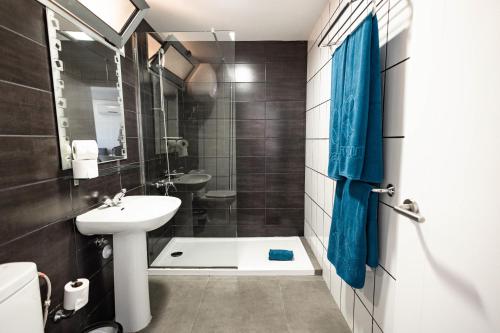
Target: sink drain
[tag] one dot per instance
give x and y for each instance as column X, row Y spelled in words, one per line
column 176, row 254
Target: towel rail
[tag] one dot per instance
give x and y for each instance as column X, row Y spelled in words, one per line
column 390, row 190
column 342, row 12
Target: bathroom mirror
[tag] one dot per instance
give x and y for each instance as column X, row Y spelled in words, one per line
column 87, row 85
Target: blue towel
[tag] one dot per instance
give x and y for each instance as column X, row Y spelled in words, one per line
column 281, row 255
column 356, row 152
column 353, row 239
column 356, row 107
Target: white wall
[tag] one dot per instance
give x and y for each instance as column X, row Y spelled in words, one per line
column 441, row 70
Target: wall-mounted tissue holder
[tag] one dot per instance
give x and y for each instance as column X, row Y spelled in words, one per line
column 76, row 296
column 84, row 163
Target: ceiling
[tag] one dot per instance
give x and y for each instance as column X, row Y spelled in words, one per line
column 250, row 19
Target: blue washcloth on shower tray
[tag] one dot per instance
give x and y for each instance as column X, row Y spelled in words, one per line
column 280, row 255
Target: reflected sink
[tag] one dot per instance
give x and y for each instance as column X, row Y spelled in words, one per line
column 129, row 222
column 192, row 182
column 135, row 213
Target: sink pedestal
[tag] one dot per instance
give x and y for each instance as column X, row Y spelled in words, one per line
column 131, row 280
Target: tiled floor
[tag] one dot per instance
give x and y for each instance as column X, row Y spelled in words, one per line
column 242, row 304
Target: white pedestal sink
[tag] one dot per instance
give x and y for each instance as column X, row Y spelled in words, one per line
column 128, row 223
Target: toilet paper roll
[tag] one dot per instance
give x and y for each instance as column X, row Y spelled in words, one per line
column 76, row 294
column 84, row 150
column 85, row 169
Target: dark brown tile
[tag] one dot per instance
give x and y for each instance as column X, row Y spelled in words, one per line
column 275, row 231
column 250, row 52
column 148, row 126
column 290, row 217
column 250, row 147
column 291, row 90
column 28, row 159
column 51, row 249
column 206, row 231
column 102, row 283
column 129, row 97
column 214, row 217
column 250, row 73
column 133, row 150
column 294, row 164
column 251, row 230
column 25, row 111
column 285, row 147
column 250, row 110
column 250, row 165
column 23, row 61
column 286, row 110
column 250, row 200
column 284, row 199
column 250, row 128
column 251, row 92
column 24, row 17
column 130, row 124
column 104, row 311
column 248, row 182
column 92, row 191
column 28, row 208
column 130, row 178
column 128, row 71
column 286, row 51
column 276, row 182
column 285, row 128
column 282, row 71
column 242, row 216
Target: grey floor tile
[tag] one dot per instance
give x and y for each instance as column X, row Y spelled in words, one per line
column 309, row 307
column 241, row 304
column 174, row 303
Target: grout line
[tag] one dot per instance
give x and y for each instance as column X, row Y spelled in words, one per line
column 199, row 305
column 283, row 306
column 23, row 36
column 25, row 86
column 396, row 64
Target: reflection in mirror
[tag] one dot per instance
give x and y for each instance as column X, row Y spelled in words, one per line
column 87, row 90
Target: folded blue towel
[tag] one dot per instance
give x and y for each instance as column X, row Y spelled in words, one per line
column 356, row 107
column 353, row 239
column 281, row 255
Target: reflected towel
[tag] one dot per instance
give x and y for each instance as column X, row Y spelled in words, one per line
column 353, row 239
column 281, row 255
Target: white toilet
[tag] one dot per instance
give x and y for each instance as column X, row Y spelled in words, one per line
column 20, row 303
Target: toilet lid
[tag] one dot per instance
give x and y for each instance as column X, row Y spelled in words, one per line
column 220, row 194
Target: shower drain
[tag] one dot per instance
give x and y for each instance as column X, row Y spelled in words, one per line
column 176, row 254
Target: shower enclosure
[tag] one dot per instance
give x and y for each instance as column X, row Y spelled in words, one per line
column 189, row 148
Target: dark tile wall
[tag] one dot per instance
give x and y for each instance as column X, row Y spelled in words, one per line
column 270, row 130
column 38, row 202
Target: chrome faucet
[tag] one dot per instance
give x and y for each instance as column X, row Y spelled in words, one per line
column 117, row 199
column 174, row 173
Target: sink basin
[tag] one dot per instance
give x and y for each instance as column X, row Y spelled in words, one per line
column 192, row 182
column 128, row 223
column 137, row 212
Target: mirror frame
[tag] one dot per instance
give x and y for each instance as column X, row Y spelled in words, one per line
column 87, row 17
column 60, row 102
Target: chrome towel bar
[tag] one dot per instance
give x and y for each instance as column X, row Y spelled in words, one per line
column 409, row 208
column 389, row 190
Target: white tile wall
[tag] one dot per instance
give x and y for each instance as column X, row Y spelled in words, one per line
column 364, row 321
column 368, row 309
